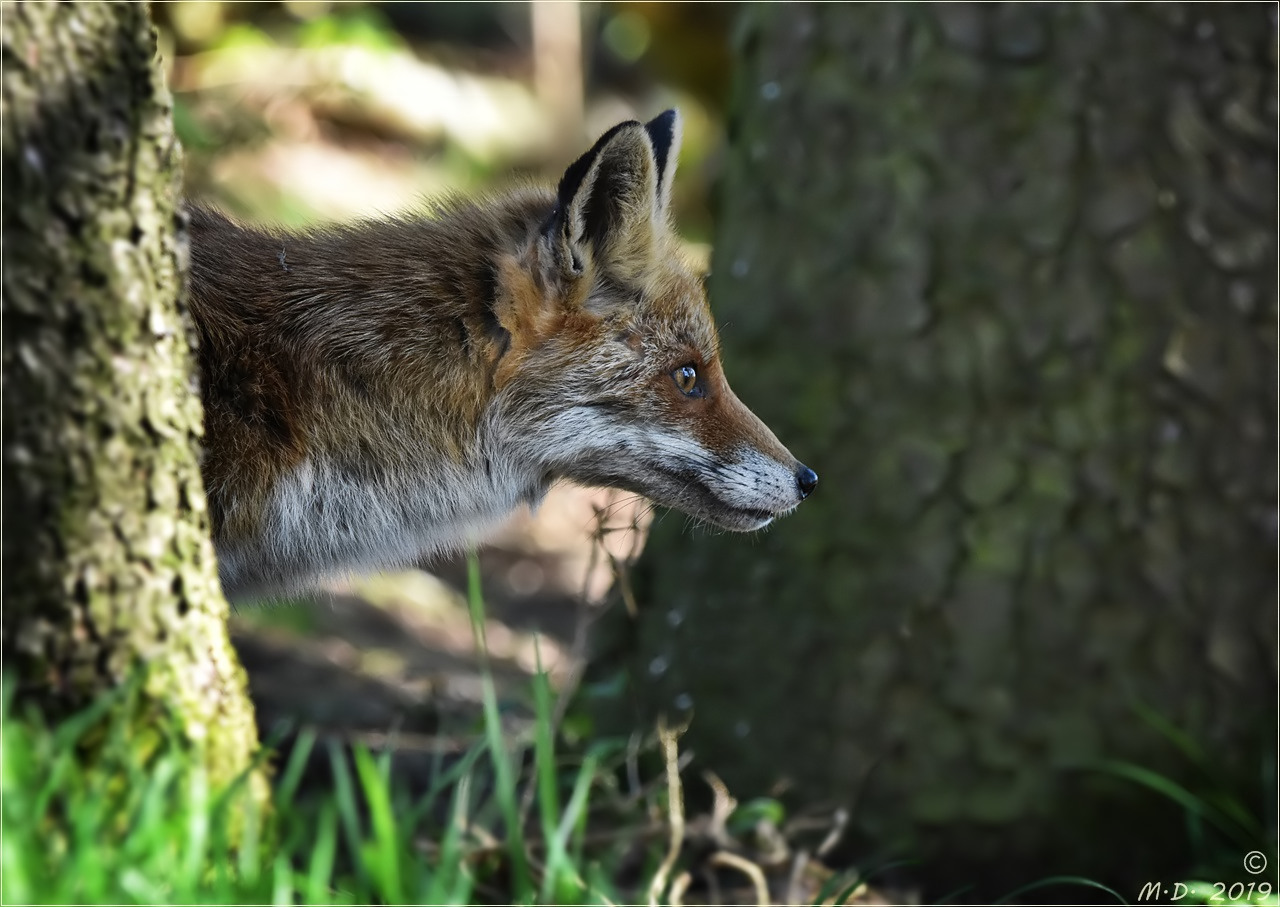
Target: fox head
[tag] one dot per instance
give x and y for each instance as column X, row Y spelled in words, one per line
column 612, row 365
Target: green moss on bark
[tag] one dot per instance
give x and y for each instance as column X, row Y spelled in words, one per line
column 108, row 566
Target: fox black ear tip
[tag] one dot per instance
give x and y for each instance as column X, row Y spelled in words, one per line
column 664, row 130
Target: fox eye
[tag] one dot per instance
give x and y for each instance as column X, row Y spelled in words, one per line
column 686, row 378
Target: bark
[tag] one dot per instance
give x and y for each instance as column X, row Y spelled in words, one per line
column 107, row 559
column 1005, row 276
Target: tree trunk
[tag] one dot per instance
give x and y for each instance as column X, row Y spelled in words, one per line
column 107, row 559
column 1005, row 276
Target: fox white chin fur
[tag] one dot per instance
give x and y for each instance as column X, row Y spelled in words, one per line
column 382, row 391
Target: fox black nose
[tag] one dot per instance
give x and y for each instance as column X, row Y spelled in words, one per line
column 806, row 481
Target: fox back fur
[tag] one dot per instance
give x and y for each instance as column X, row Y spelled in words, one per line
column 382, row 391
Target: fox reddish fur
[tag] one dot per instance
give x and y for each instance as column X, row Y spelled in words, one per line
column 378, row 392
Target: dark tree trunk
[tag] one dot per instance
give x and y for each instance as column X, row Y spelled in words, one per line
column 1005, row 275
column 107, row 560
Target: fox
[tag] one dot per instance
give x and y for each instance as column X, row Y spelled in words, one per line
column 388, row 390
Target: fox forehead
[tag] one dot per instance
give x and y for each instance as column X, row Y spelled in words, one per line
column 673, row 311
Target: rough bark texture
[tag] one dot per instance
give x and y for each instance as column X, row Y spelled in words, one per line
column 1005, row 276
column 107, row 560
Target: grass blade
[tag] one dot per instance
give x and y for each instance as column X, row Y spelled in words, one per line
column 504, row 780
column 558, row 863
column 292, row 776
column 1180, row 795
column 320, row 870
column 282, row 891
column 384, row 850
column 344, row 795
column 1063, row 880
column 544, row 763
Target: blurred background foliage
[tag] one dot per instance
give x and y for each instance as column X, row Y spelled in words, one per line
column 301, row 111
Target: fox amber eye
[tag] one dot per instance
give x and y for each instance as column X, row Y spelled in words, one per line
column 686, row 378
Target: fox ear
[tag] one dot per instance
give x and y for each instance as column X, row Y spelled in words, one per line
column 665, row 131
column 607, row 201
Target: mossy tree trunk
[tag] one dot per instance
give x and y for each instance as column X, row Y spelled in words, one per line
column 1005, row 276
column 107, row 559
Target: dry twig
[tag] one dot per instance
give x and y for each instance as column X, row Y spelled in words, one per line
column 722, row 808
column 745, row 866
column 678, row 888
column 839, row 819
column 675, row 811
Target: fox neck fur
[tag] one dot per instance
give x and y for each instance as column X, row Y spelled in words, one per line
column 378, row 392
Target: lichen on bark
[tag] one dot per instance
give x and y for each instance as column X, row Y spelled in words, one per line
column 108, row 567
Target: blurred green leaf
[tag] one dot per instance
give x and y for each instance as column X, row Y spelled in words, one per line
column 189, row 130
column 241, row 36
column 350, row 28
column 750, row 814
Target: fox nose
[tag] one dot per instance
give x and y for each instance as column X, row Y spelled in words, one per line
column 806, row 481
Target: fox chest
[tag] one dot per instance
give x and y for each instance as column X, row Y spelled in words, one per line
column 326, row 519
column 345, row 514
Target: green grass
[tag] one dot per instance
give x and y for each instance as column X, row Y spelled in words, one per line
column 125, row 828
column 128, row 830
column 1224, row 816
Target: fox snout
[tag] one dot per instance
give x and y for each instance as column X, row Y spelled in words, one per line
column 745, row 493
column 761, row 480
column 754, row 491
column 758, row 483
